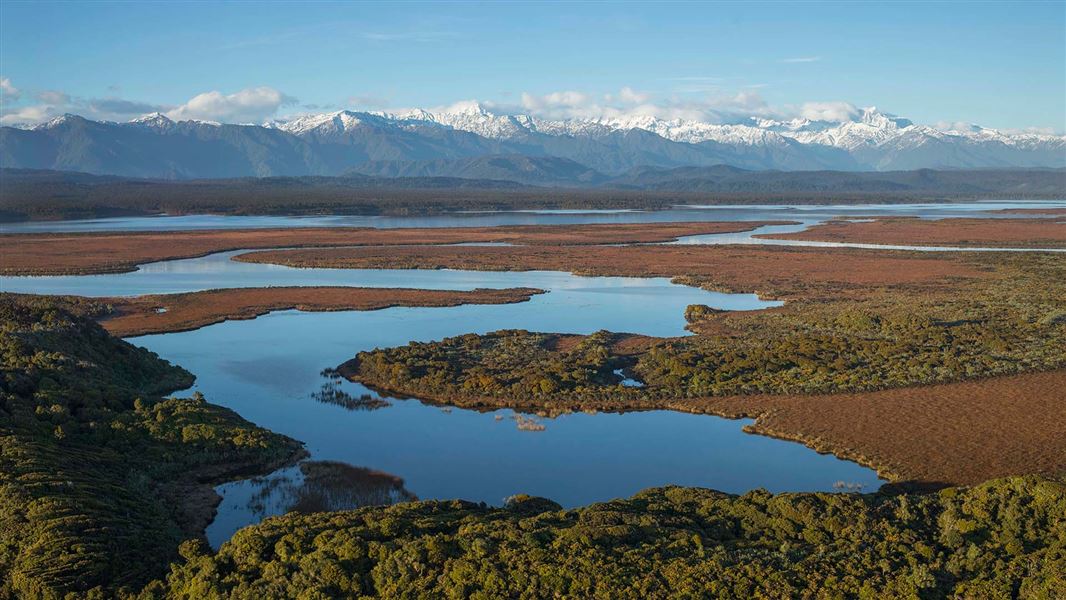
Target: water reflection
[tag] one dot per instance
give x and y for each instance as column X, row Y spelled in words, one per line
column 333, row 392
column 311, row 486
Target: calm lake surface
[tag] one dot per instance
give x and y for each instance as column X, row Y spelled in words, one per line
column 269, row 371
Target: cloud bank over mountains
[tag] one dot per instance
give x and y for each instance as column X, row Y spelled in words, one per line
column 263, row 104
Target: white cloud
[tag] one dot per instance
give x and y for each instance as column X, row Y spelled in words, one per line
column 829, row 111
column 53, row 97
column 565, row 100
column 629, row 96
column 9, row 92
column 27, row 114
column 714, row 108
column 51, row 104
column 252, row 105
column 801, row 59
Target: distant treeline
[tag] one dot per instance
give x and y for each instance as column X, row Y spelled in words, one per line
column 45, row 195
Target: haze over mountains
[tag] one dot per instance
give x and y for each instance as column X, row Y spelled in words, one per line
column 471, row 142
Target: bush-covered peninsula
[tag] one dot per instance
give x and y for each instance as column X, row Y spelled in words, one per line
column 101, row 478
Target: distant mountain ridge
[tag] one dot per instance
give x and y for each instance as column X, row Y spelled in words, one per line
column 472, row 142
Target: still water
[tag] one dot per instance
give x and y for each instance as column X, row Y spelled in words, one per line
column 269, row 370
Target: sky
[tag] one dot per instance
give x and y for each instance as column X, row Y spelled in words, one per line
column 1000, row 65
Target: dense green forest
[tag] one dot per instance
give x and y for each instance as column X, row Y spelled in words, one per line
column 886, row 338
column 42, row 195
column 99, row 474
column 1002, row 539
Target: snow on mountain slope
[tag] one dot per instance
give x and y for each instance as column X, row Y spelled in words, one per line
column 872, row 131
column 336, row 141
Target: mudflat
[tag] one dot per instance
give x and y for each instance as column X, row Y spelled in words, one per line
column 165, row 313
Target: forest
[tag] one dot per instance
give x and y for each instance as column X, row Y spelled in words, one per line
column 1002, row 539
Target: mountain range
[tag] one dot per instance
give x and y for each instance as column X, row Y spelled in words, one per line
column 471, row 142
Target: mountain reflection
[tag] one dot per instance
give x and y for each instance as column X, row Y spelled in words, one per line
column 318, row 486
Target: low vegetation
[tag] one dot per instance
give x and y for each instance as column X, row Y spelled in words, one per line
column 1043, row 232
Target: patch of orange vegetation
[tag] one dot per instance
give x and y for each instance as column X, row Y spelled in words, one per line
column 782, row 272
column 909, row 231
column 115, row 252
column 956, row 433
column 165, row 313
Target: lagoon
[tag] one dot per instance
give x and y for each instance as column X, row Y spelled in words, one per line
column 269, row 370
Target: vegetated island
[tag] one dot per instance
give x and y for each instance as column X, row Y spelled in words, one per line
column 118, row 252
column 911, row 231
column 166, row 313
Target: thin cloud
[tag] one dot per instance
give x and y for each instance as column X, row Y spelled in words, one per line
column 8, row 91
column 408, row 36
column 696, row 78
column 802, row 59
column 53, row 97
column 121, row 107
column 367, row 101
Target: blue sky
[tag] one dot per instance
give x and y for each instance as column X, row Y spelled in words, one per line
column 999, row 65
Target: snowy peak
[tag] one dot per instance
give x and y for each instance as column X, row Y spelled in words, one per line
column 59, row 121
column 155, row 121
column 877, row 119
column 335, row 122
column 868, row 138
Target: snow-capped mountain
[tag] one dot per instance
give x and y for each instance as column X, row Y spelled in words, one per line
column 875, row 139
column 339, row 142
